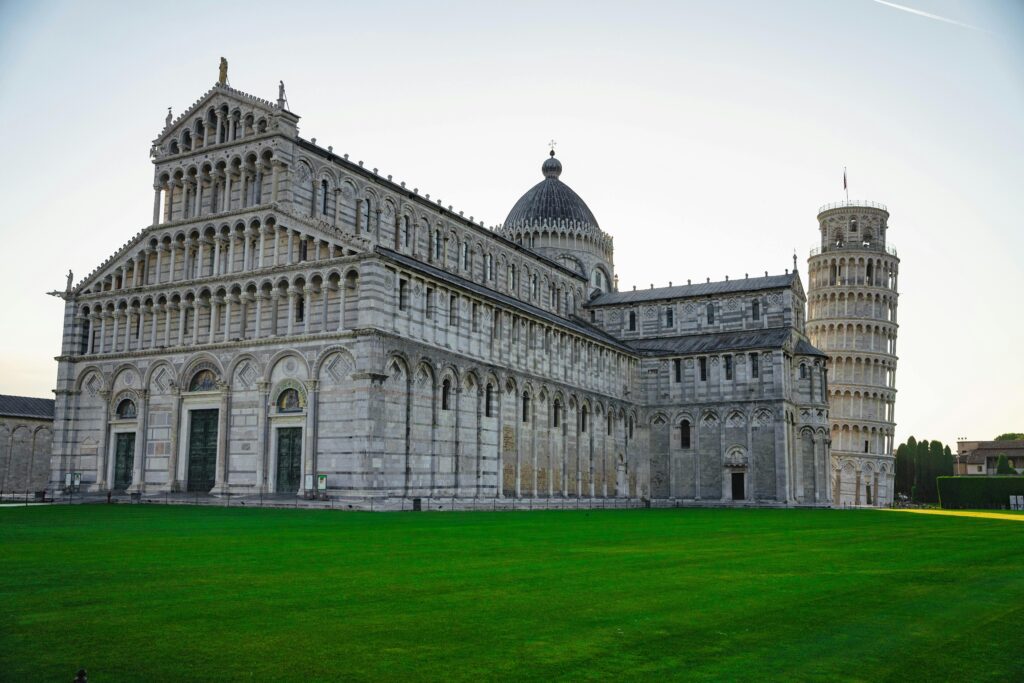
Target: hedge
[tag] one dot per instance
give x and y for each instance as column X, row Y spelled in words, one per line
column 978, row 492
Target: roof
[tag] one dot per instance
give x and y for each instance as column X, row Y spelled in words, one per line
column 550, row 201
column 751, row 284
column 772, row 338
column 574, row 324
column 806, row 348
column 26, row 406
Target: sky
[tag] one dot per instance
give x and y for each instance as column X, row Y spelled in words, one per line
column 704, row 136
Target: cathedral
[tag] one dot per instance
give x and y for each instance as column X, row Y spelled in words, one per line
column 293, row 323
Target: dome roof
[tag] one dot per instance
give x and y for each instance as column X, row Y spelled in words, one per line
column 550, row 201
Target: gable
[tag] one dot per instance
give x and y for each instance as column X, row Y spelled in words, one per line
column 221, row 112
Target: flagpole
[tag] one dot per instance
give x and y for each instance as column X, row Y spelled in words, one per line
column 845, row 187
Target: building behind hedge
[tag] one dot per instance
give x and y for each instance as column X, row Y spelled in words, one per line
column 291, row 317
column 981, row 457
column 26, row 432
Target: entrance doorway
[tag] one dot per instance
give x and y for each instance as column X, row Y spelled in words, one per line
column 124, row 459
column 202, row 450
column 867, row 494
column 289, row 459
column 738, row 492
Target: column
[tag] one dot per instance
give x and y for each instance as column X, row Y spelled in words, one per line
column 113, row 337
column 139, row 463
column 168, row 307
column 325, row 292
column 231, row 252
column 198, row 272
column 173, row 484
column 159, row 254
column 227, row 189
column 277, row 242
column 103, row 332
column 291, row 311
column 182, row 315
column 156, row 204
column 214, row 317
column 245, row 250
column 196, row 305
column 307, row 309
column 227, row 317
column 170, row 271
column 259, row 255
column 261, row 435
column 259, row 315
column 93, row 321
column 309, row 452
column 220, row 484
column 104, row 454
column 155, row 310
column 216, row 256
column 274, row 166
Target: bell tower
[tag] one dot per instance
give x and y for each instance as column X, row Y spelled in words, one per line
column 851, row 316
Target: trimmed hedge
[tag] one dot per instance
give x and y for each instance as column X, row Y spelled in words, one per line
column 958, row 493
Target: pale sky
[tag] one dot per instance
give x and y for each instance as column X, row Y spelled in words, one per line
column 704, row 136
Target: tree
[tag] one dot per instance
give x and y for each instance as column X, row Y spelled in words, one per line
column 1003, row 465
column 1010, row 436
column 905, row 468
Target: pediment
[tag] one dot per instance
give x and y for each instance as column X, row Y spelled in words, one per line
column 253, row 114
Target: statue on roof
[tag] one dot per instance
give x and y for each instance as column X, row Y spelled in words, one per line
column 167, row 121
column 71, row 278
column 282, row 99
column 223, row 78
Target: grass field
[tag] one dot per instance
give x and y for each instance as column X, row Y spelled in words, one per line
column 176, row 593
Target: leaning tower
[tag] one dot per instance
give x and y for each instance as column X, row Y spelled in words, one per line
column 851, row 316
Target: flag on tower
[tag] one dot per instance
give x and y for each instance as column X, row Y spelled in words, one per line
column 844, row 177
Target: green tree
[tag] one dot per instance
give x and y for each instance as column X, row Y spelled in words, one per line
column 1003, row 465
column 904, row 469
column 1010, row 436
column 923, row 473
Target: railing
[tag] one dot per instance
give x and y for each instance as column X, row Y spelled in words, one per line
column 855, row 246
column 853, row 204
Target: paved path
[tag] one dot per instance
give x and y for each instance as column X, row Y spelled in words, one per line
column 964, row 513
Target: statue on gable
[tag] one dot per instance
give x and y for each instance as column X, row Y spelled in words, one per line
column 167, row 121
column 223, row 78
column 71, row 278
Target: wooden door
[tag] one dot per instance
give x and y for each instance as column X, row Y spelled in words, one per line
column 289, row 459
column 202, row 450
column 124, row 459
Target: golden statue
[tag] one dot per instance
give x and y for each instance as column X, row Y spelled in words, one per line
column 223, row 79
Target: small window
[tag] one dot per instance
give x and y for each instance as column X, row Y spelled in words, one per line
column 526, row 407
column 803, row 371
column 453, row 310
column 430, row 303
column 631, row 426
column 289, row 401
column 755, row 369
column 556, row 415
column 632, row 321
column 534, row 287
column 446, row 394
column 437, row 245
column 703, row 369
column 609, row 424
column 403, row 294
column 756, row 310
column 684, row 434
column 677, row 369
column 865, row 446
column 300, row 309
column 853, row 225
column 126, row 410
column 303, row 249
column 669, row 317
column 711, row 314
column 489, row 401
column 406, row 231
column 728, row 366
column 465, row 256
column 204, row 380
column 584, row 415
column 366, row 215
column 476, row 316
column 323, row 197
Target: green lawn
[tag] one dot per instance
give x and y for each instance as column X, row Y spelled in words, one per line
column 154, row 593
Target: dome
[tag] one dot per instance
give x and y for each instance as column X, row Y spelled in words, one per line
column 550, row 201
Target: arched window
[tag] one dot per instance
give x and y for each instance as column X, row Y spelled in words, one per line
column 300, row 309
column 204, row 380
column 669, row 317
column 437, row 245
column 632, row 321
column 756, row 310
column 534, row 287
column 803, row 371
column 871, row 273
column 289, row 401
column 526, row 407
column 556, row 414
column 631, row 426
column 584, row 414
column 366, row 214
column 446, row 394
column 832, row 274
column 489, row 401
column 710, row 309
column 853, row 225
column 323, row 197
column 406, row 231
column 511, row 279
column 684, row 434
column 126, row 410
column 464, row 252
column 609, row 424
